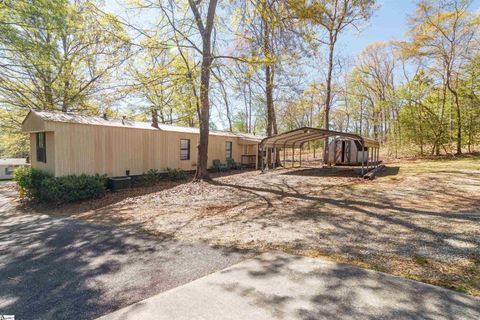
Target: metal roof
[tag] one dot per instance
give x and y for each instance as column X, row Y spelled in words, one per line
column 297, row 137
column 99, row 121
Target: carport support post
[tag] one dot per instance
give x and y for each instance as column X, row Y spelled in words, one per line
column 378, row 156
column 256, row 159
column 363, row 155
column 368, row 158
column 293, row 154
column 274, row 156
column 301, row 155
column 374, row 152
column 262, row 160
column 373, row 157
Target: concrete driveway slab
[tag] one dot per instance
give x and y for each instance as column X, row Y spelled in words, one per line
column 282, row 286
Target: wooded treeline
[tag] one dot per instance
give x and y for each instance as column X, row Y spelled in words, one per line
column 256, row 66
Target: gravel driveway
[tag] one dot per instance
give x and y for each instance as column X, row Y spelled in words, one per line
column 60, row 268
column 420, row 220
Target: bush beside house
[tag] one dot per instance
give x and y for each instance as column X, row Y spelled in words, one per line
column 153, row 176
column 40, row 185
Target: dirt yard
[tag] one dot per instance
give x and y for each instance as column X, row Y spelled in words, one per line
column 420, row 219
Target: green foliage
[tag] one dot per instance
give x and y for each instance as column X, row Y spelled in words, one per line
column 13, row 142
column 30, row 180
column 151, row 177
column 176, row 174
column 56, row 53
column 421, row 260
column 42, row 186
column 217, row 165
column 72, row 188
column 168, row 83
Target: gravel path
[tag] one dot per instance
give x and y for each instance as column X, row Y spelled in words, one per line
column 330, row 214
column 419, row 224
column 420, row 219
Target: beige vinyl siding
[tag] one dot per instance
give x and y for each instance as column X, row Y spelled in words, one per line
column 33, row 124
column 76, row 148
column 49, row 166
column 94, row 149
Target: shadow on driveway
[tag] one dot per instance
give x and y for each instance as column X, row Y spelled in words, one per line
column 281, row 286
column 54, row 268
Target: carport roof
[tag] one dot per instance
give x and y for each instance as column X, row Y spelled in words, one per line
column 297, row 137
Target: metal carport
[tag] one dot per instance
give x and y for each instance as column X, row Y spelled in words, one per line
column 298, row 137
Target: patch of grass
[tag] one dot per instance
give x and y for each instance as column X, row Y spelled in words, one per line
column 462, row 288
column 421, row 260
column 466, row 162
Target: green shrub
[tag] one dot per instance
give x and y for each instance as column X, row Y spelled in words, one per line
column 176, row 174
column 151, row 177
column 30, row 180
column 42, row 186
column 72, row 188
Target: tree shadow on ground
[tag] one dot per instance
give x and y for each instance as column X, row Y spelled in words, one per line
column 361, row 225
column 338, row 171
column 350, row 172
column 112, row 198
column 313, row 289
column 65, row 269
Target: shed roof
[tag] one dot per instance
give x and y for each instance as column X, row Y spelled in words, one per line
column 13, row 162
column 100, row 121
column 297, row 137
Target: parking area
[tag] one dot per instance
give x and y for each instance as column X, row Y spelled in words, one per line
column 62, row 268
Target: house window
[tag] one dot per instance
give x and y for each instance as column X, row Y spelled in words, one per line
column 41, row 147
column 184, row 149
column 228, row 149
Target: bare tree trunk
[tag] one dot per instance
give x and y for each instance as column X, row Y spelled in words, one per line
column 328, row 98
column 249, row 107
column 459, row 117
column 204, row 112
column 225, row 100
column 269, row 77
column 204, row 119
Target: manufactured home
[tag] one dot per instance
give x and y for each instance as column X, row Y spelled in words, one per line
column 66, row 144
column 7, row 166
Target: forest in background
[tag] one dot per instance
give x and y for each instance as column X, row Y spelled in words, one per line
column 256, row 66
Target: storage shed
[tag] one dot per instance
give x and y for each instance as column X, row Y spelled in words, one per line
column 66, row 143
column 343, row 151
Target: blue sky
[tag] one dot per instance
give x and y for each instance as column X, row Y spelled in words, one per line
column 390, row 22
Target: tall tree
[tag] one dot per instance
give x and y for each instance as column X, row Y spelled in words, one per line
column 57, row 54
column 205, row 29
column 333, row 17
column 377, row 66
column 442, row 31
